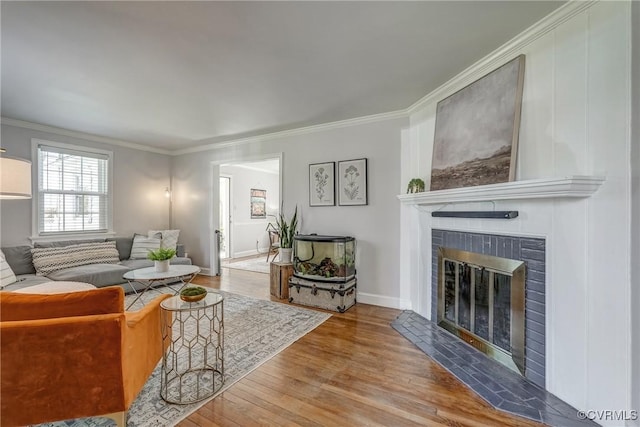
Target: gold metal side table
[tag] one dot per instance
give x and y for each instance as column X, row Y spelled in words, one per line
column 193, row 364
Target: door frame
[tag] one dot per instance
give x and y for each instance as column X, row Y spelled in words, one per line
column 230, row 221
column 214, row 195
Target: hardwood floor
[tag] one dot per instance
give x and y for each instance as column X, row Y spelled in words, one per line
column 353, row 370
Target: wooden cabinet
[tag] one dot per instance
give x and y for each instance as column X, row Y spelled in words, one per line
column 280, row 273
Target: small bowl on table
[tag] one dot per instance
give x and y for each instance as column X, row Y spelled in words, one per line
column 193, row 294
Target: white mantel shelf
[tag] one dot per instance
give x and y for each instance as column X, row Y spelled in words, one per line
column 577, row 186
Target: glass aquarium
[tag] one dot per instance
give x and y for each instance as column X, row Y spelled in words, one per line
column 325, row 258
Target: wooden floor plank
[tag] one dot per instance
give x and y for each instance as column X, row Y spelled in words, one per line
column 354, row 369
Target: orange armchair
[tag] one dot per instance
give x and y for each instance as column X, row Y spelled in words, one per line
column 74, row 355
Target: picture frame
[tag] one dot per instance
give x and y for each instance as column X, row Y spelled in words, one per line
column 322, row 184
column 258, row 203
column 476, row 130
column 352, row 182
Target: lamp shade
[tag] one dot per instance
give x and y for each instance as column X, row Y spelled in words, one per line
column 15, row 178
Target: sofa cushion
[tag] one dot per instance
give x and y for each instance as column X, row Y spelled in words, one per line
column 19, row 258
column 48, row 260
column 7, row 276
column 26, row 280
column 123, row 245
column 169, row 238
column 143, row 263
column 142, row 245
column 96, row 274
column 16, row 306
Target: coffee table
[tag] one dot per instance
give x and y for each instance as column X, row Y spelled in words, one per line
column 148, row 276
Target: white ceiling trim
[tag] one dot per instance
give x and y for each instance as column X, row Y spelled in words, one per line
column 81, row 135
column 504, row 53
column 294, row 132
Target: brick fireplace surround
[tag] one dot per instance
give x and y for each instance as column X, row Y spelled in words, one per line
column 498, row 385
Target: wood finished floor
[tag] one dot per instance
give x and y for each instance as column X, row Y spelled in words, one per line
column 353, row 370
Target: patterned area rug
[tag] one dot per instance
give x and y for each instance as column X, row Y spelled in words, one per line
column 255, row 331
column 259, row 265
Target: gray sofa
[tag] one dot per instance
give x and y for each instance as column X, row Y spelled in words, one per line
column 20, row 260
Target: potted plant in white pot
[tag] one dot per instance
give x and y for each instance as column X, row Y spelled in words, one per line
column 161, row 258
column 286, row 229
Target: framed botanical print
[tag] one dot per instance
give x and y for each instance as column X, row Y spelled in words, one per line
column 352, row 182
column 322, row 184
column 258, row 203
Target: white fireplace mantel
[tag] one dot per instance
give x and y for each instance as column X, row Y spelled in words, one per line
column 577, row 186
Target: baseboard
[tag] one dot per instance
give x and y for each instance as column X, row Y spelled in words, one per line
column 383, row 300
column 205, row 271
column 246, row 253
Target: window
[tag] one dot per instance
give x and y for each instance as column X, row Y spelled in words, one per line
column 73, row 189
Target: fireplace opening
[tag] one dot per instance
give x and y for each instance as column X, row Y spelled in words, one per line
column 481, row 299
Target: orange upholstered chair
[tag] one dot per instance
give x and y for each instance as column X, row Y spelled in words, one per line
column 74, row 355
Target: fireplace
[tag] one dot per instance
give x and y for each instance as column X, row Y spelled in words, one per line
column 515, row 263
column 481, row 299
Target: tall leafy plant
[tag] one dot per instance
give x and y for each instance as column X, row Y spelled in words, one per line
column 287, row 229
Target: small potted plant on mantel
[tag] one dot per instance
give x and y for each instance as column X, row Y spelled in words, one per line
column 160, row 258
column 286, row 230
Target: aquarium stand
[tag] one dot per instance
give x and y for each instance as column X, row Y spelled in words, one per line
column 324, row 273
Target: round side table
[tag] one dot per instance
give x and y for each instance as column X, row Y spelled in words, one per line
column 193, row 363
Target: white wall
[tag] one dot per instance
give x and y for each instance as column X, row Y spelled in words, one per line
column 635, row 208
column 139, row 181
column 575, row 121
column 375, row 226
column 246, row 231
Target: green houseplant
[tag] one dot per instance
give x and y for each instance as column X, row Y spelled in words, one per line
column 161, row 258
column 286, row 229
column 416, row 185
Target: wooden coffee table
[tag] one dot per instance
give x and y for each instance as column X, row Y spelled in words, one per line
column 149, row 276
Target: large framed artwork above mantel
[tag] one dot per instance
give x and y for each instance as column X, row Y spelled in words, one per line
column 476, row 132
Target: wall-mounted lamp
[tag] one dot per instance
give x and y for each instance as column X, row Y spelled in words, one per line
column 15, row 178
column 167, row 193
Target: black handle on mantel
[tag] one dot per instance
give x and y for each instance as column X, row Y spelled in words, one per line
column 475, row 214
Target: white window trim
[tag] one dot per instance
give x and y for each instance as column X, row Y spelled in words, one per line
column 35, row 200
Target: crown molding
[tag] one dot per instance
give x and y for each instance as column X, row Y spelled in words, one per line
column 504, row 53
column 81, row 135
column 294, row 132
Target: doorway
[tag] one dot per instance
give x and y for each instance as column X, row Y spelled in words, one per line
column 247, row 193
column 225, row 217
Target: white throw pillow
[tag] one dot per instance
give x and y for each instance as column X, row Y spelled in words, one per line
column 169, row 238
column 142, row 245
column 7, row 276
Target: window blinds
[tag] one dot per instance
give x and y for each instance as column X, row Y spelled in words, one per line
column 73, row 190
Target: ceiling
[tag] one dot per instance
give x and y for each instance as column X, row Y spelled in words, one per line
column 175, row 75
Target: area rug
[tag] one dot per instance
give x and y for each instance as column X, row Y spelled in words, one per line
column 255, row 331
column 259, row 265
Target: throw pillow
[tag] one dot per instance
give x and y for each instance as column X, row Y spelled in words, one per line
column 169, row 238
column 48, row 260
column 142, row 245
column 7, row 276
